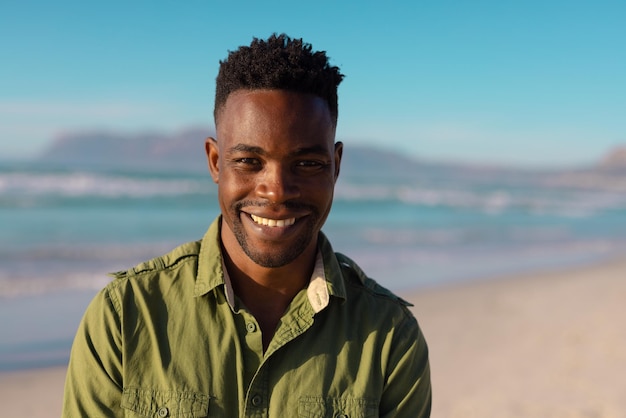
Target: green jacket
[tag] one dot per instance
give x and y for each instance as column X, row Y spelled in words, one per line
column 169, row 339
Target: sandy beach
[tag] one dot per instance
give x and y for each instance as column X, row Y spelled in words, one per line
column 549, row 345
column 543, row 345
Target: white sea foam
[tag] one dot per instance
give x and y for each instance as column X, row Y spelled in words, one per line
column 39, row 285
column 28, row 186
column 84, row 184
column 570, row 203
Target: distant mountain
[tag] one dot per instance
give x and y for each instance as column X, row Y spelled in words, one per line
column 184, row 152
column 615, row 159
column 608, row 174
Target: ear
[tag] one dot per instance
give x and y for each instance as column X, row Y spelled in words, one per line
column 338, row 155
column 212, row 155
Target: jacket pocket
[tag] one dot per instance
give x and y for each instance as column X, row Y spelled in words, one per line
column 322, row 407
column 162, row 404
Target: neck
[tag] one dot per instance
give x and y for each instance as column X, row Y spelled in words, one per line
column 268, row 285
column 267, row 292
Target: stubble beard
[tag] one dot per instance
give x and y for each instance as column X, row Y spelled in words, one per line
column 274, row 259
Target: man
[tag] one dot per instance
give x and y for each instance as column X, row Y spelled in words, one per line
column 260, row 317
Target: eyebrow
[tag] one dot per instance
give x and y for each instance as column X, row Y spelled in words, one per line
column 246, row 148
column 316, row 149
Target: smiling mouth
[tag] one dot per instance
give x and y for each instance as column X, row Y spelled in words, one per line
column 273, row 222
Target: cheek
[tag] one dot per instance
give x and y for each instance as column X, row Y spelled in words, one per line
column 322, row 195
column 233, row 187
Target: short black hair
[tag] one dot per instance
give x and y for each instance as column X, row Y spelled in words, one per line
column 280, row 63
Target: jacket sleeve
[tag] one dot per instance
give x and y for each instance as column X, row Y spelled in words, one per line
column 407, row 391
column 93, row 386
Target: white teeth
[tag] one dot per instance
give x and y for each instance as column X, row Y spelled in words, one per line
column 273, row 222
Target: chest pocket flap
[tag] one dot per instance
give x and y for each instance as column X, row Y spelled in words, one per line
column 320, row 407
column 162, row 404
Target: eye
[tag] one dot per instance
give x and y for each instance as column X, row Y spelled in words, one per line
column 248, row 161
column 308, row 163
column 310, row 166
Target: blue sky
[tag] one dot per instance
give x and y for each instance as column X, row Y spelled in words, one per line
column 539, row 83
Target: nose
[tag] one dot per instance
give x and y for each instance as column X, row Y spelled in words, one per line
column 277, row 184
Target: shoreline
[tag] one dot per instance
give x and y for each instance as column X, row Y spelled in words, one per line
column 544, row 344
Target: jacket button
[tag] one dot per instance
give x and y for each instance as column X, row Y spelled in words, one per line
column 163, row 412
column 250, row 327
column 256, row 400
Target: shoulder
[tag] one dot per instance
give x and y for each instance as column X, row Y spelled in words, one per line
column 371, row 306
column 357, row 277
column 158, row 272
column 182, row 254
column 360, row 284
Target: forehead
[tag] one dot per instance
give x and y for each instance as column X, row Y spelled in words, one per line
column 272, row 108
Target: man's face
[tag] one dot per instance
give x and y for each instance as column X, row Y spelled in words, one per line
column 275, row 163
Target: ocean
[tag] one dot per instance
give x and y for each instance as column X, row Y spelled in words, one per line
column 62, row 230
